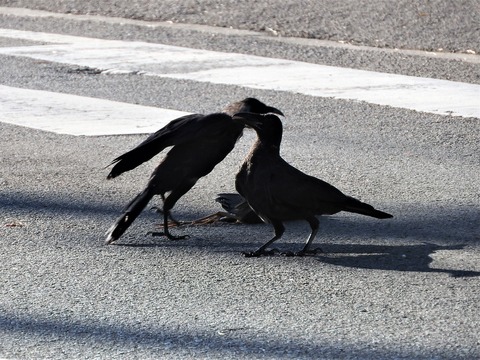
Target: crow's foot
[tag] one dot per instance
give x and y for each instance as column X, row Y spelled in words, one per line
column 168, row 235
column 258, row 253
column 308, row 252
column 207, row 220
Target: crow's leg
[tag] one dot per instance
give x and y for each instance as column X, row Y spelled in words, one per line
column 279, row 230
column 168, row 204
column 314, row 224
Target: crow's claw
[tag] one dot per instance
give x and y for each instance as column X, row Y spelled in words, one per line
column 168, row 235
column 257, row 253
column 309, row 252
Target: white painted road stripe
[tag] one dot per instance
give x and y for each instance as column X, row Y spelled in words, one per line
column 421, row 94
column 78, row 115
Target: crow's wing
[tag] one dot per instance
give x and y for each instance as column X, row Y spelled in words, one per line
column 189, row 128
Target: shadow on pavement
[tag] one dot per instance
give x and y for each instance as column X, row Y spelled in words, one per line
column 455, row 227
column 114, row 338
column 384, row 257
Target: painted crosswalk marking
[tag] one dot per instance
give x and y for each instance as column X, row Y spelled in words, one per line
column 79, row 115
column 113, row 56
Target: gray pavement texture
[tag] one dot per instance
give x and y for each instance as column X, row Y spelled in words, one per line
column 452, row 26
column 405, row 288
column 465, row 68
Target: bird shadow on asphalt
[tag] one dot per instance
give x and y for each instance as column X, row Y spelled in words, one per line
column 402, row 258
column 444, row 227
column 406, row 258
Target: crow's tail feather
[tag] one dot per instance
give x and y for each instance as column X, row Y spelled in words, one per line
column 358, row 207
column 129, row 215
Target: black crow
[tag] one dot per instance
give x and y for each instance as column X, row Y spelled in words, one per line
column 277, row 191
column 199, row 143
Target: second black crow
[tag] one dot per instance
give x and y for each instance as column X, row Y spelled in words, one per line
column 277, row 191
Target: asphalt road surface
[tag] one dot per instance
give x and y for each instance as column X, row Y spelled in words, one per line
column 426, row 25
column 405, row 288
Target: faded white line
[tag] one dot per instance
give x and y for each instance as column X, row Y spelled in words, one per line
column 112, row 56
column 212, row 30
column 78, row 115
column 421, row 94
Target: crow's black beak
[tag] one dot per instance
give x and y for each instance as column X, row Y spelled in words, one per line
column 274, row 110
